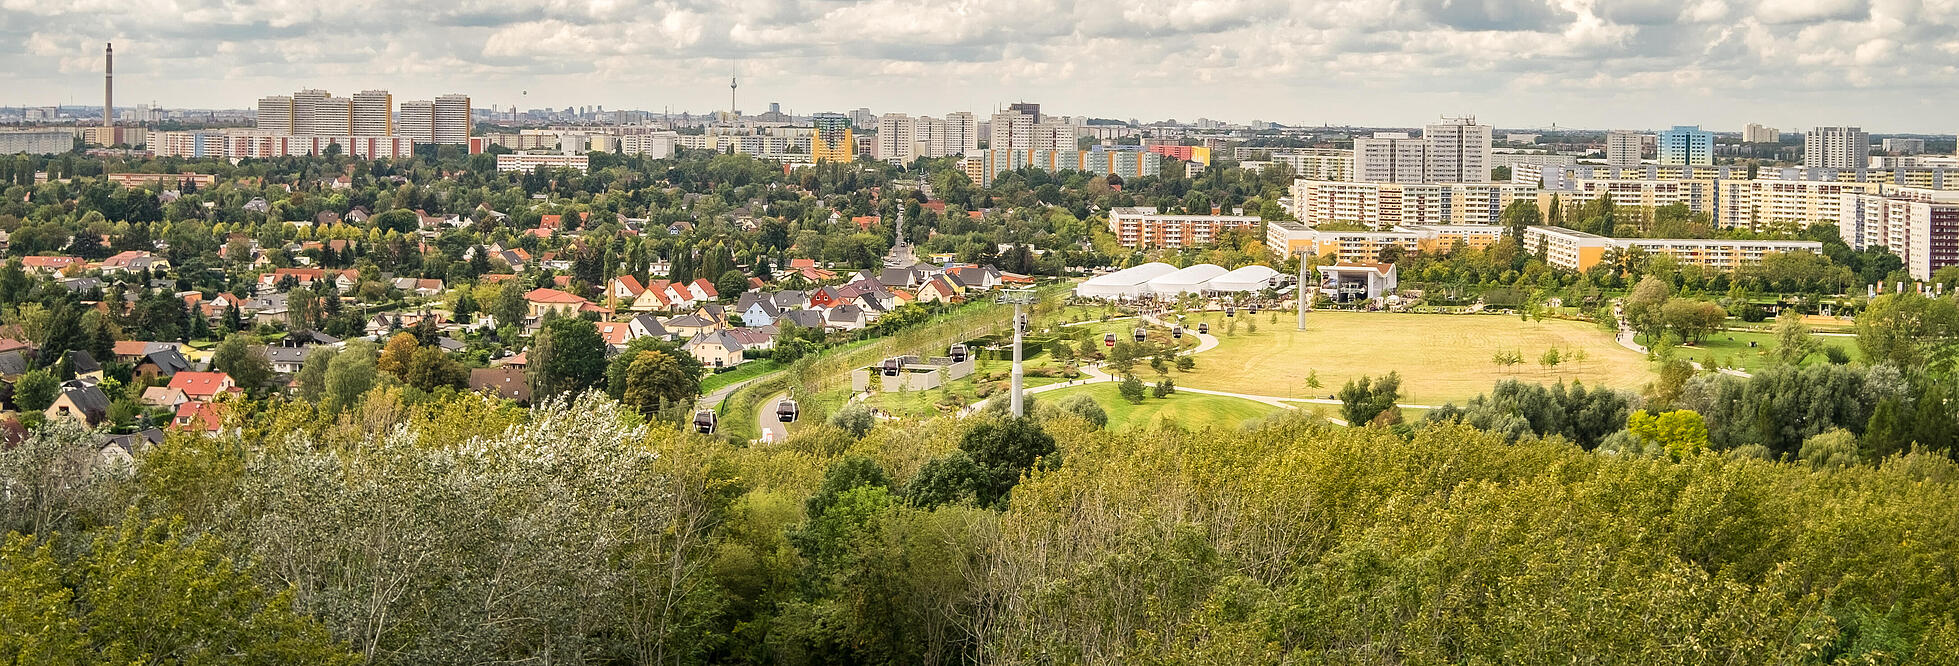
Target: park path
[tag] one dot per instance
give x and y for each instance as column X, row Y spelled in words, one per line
column 1626, row 339
column 772, row 428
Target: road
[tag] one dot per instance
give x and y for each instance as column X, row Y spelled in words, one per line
column 772, row 429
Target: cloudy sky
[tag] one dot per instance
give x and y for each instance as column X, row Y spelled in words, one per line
column 1890, row 65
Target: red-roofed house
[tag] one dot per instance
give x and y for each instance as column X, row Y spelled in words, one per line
column 546, row 299
column 198, row 417
column 203, row 385
column 625, row 288
column 50, row 264
column 616, row 333
column 702, row 290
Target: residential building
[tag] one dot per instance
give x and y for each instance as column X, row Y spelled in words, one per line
column 1754, row 133
column 254, row 143
column 1011, row 130
column 275, row 114
column 1624, row 148
column 332, row 116
column 1904, row 146
column 990, row 163
column 1391, row 157
column 36, row 142
column 452, row 120
column 1318, row 163
column 1841, row 147
column 1383, row 205
column 374, row 113
column 1287, row 237
column 417, row 121
column 1143, row 227
column 1579, row 251
column 832, row 141
column 961, row 134
column 529, row 161
column 897, row 136
column 1921, row 226
column 1686, row 145
column 1763, row 204
column 1564, row 177
column 1458, row 151
column 305, row 104
column 1697, row 195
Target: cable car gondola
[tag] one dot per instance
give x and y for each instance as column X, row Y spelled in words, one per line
column 1139, row 334
column 786, row 411
column 1024, row 327
column 704, row 421
column 892, row 366
column 1253, row 308
column 1231, row 312
column 1109, row 340
column 1177, row 332
column 1203, row 327
column 958, row 353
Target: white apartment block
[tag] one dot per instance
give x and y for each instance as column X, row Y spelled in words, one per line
column 1011, row 130
column 275, row 114
column 1624, row 148
column 452, row 119
column 1318, row 163
column 657, row 145
column 1903, row 146
column 1579, row 251
column 374, row 113
column 1390, row 157
column 417, row 121
column 529, row 161
column 1697, row 195
column 1364, row 247
column 961, row 134
column 36, row 142
column 239, row 143
column 1458, row 151
column 332, row 116
column 1384, row 205
column 1539, row 160
column 1142, row 226
column 1836, row 147
column 1763, row 204
column 1754, row 133
column 897, row 134
column 304, row 104
column 1565, row 177
column 1921, row 226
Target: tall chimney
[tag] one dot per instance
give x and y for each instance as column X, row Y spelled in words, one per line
column 108, row 85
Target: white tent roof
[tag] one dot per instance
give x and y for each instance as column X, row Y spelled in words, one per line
column 1248, row 278
column 1187, row 280
column 1126, row 283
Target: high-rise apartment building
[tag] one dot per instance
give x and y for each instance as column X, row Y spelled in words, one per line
column 304, row 105
column 332, row 116
column 275, row 114
column 374, row 113
column 862, row 118
column 1836, row 147
column 452, row 119
column 1754, row 133
column 832, row 141
column 1030, row 109
column 1390, row 157
column 1686, row 145
column 1011, row 130
column 1458, row 151
column 961, row 133
column 417, row 121
column 1921, row 226
column 897, row 135
column 1904, row 146
column 1624, row 148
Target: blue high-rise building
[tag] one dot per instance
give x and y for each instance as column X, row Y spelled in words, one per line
column 1686, row 144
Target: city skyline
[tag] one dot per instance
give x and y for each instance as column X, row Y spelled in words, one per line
column 1516, row 64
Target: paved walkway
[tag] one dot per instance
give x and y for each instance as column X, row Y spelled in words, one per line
column 772, row 429
column 1626, row 339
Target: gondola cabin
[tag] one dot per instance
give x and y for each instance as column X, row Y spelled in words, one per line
column 786, row 411
column 958, row 353
column 1177, row 332
column 1203, row 327
column 1109, row 340
column 892, row 366
column 1139, row 334
column 704, row 421
column 1231, row 312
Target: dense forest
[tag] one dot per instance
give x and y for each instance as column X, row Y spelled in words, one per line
column 470, row 531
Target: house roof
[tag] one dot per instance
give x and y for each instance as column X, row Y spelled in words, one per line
column 721, row 338
column 168, row 361
column 82, row 362
column 202, row 416
column 549, row 295
column 507, row 382
column 200, row 383
column 630, row 283
column 88, row 398
column 13, row 362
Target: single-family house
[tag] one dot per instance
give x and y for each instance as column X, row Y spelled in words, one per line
column 648, row 326
column 198, row 417
column 715, row 349
column 80, row 401
column 507, row 382
column 203, row 385
column 545, row 299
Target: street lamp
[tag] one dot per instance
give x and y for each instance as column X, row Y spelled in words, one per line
column 1018, row 298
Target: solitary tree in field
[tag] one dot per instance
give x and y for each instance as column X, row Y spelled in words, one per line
column 1550, row 359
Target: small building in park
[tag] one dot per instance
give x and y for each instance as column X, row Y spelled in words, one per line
column 1346, row 282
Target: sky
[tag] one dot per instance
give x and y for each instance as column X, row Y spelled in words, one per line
column 1887, row 65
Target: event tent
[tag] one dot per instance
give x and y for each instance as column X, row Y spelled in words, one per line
column 1185, row 281
column 1248, row 278
column 1131, row 282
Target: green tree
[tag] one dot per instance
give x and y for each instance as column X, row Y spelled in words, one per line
column 1004, row 449
column 568, row 356
column 349, row 375
column 244, row 361
column 854, row 418
column 656, row 379
column 1132, row 389
column 313, row 372
column 36, row 390
column 430, row 368
column 1361, row 400
column 1909, row 331
column 1681, row 432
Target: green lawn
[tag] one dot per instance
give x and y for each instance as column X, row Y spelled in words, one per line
column 1731, row 349
column 965, row 391
column 1441, row 358
column 745, row 371
column 1191, row 410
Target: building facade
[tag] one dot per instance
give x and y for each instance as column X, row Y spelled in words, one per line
column 1754, row 133
column 1686, row 145
column 1836, row 147
column 832, row 141
column 1143, row 227
column 1624, row 148
column 1921, row 226
column 36, row 142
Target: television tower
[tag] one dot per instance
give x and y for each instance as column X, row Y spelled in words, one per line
column 108, row 85
column 732, row 113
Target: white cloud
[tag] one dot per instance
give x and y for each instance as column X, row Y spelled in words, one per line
column 1602, row 63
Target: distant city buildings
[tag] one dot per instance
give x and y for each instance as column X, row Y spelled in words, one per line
column 1836, row 147
column 1144, row 227
column 1754, row 133
column 1453, row 152
column 1685, row 145
column 981, row 168
column 1623, row 148
column 1921, row 226
column 832, row 141
column 1387, row 205
column 1903, row 146
column 36, row 142
column 1579, row 251
column 530, row 161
